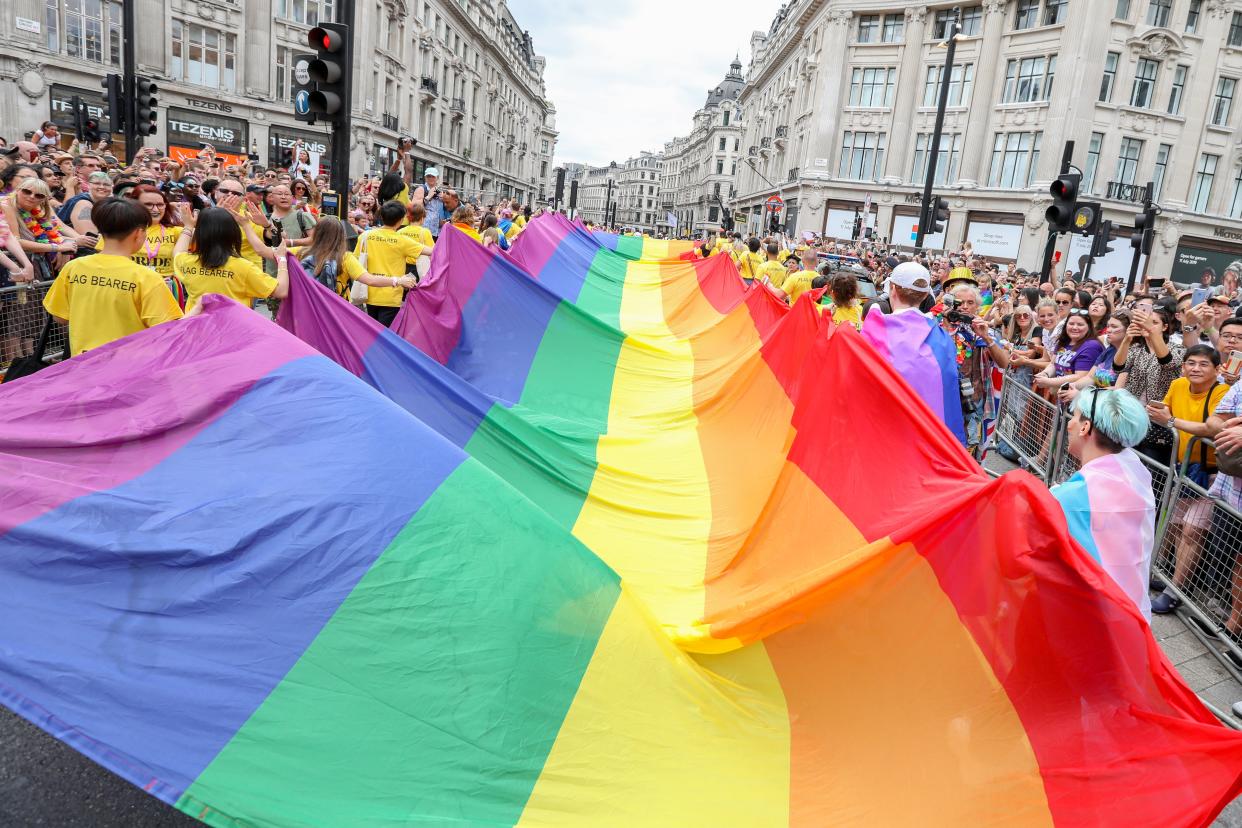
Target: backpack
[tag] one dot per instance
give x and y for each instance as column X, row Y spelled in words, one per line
column 326, row 277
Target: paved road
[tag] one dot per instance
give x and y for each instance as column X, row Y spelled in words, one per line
column 45, row 783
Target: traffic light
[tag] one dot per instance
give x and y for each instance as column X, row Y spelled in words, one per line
column 113, row 112
column 90, row 130
column 1100, row 245
column 940, row 215
column 1145, row 229
column 329, row 71
column 145, row 103
column 1060, row 213
column 286, row 157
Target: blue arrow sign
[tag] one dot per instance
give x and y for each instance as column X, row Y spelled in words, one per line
column 301, row 102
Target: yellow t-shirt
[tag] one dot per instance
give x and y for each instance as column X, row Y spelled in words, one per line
column 418, row 233
column 240, row 280
column 349, row 270
column 157, row 251
column 774, row 271
column 247, row 251
column 1188, row 406
column 105, row 297
column 797, row 284
column 748, row 264
column 388, row 252
column 849, row 315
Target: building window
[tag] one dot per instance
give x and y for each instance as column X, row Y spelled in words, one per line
column 1054, row 12
column 1015, row 155
column 972, row 19
column 872, row 86
column 1192, row 16
column 310, row 12
column 862, row 155
column 1157, row 177
column 894, row 28
column 1178, row 90
column 722, row 144
column 1235, row 202
column 1128, row 160
column 1110, row 76
column 1144, row 83
column 726, row 118
column 204, row 56
column 1029, row 79
column 868, row 28
column 719, row 167
column 284, row 91
column 1028, row 14
column 86, row 29
column 948, row 159
column 1205, row 174
column 1122, row 12
column 960, row 83
column 1158, row 12
column 1093, row 161
column 1222, row 101
column 1235, row 29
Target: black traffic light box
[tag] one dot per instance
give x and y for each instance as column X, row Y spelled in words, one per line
column 1145, row 229
column 329, row 71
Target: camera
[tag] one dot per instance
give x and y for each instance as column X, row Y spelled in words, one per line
column 952, row 315
column 406, row 142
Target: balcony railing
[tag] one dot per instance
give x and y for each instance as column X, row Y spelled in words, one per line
column 458, row 106
column 765, row 143
column 1119, row 191
column 489, row 162
column 793, row 174
column 782, row 132
column 510, row 139
column 753, row 151
column 390, row 122
column 428, row 87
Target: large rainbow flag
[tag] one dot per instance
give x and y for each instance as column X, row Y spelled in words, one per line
column 676, row 556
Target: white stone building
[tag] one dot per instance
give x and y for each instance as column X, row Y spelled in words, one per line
column 638, row 192
column 460, row 76
column 840, row 101
column 700, row 168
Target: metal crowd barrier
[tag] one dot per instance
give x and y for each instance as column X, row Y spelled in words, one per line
column 21, row 321
column 1031, row 425
column 1196, row 556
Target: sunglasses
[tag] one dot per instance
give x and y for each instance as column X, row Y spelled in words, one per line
column 230, row 192
column 34, row 195
column 1095, row 398
column 1079, row 312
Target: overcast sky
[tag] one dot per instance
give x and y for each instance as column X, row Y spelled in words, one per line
column 627, row 75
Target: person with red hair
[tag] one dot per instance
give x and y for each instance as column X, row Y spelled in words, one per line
column 163, row 232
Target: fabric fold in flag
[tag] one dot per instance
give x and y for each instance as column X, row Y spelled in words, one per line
column 635, row 524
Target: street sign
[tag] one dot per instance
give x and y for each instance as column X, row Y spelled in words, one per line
column 301, row 102
column 301, row 70
column 303, row 86
column 774, row 203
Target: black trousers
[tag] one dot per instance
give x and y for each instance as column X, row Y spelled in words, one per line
column 383, row 314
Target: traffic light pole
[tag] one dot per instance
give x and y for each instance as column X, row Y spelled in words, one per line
column 1138, row 251
column 129, row 84
column 340, row 124
column 1067, row 160
column 927, row 210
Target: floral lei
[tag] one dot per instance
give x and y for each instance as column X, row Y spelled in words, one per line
column 44, row 232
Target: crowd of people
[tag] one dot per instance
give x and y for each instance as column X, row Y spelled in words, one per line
column 125, row 246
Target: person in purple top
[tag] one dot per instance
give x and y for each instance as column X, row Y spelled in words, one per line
column 1076, row 352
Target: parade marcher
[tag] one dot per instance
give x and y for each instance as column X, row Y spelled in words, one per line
column 207, row 258
column 429, row 196
column 1108, row 502
column 387, row 253
column 108, row 295
column 328, row 261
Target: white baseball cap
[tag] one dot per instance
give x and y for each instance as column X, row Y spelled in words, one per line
column 430, row 172
column 911, row 276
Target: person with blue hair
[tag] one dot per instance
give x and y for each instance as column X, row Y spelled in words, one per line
column 1108, row 503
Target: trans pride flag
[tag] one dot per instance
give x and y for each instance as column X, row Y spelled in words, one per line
column 925, row 356
column 1111, row 512
column 285, row 593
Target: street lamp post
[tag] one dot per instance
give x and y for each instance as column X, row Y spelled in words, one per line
column 607, row 202
column 926, row 212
